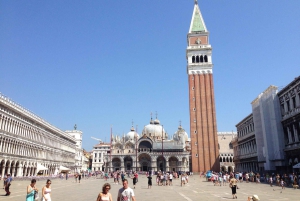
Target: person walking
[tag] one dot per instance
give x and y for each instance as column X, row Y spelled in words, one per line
column 271, row 181
column 46, row 191
column 105, row 195
column 8, row 184
column 134, row 181
column 170, row 179
column 79, row 177
column 232, row 184
column 75, row 177
column 149, row 181
column 31, row 189
column 126, row 193
column 136, row 175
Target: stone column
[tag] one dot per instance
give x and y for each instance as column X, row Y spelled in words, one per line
column 13, row 171
column 289, row 135
column 1, row 141
column 8, row 168
column 295, row 133
column 122, row 164
column 167, row 166
column 34, row 171
column 153, row 165
column 19, row 170
column 3, row 170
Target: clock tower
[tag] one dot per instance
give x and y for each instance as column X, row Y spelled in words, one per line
column 203, row 126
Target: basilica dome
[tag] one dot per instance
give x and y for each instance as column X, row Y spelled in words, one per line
column 155, row 130
column 180, row 135
column 131, row 135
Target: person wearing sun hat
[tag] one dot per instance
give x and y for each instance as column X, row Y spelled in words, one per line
column 253, row 197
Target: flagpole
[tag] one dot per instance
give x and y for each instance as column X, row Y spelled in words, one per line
column 162, row 138
column 110, row 146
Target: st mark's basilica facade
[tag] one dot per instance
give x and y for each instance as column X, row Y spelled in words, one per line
column 152, row 150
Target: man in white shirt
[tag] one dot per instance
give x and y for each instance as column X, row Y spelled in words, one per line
column 171, row 178
column 126, row 193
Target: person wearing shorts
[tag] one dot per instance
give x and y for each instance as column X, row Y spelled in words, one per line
column 171, row 178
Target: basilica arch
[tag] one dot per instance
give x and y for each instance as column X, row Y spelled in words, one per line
column 173, row 163
column 161, row 163
column 145, row 146
column 128, row 163
column 144, row 162
column 116, row 163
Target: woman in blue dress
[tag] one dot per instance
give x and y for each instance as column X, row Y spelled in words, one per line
column 31, row 190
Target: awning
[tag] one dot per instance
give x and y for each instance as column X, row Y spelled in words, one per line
column 40, row 167
column 64, row 168
column 297, row 165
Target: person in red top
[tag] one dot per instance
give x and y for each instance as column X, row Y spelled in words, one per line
column 136, row 176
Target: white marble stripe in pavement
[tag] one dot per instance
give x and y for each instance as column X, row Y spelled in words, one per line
column 188, row 199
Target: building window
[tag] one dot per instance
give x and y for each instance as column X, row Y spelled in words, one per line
column 286, row 136
column 194, row 109
column 205, row 59
column 193, row 88
column 288, row 105
column 230, row 146
column 294, row 102
column 196, row 155
column 195, row 132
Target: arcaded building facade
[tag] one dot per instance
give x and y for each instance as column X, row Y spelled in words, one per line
column 226, row 151
column 152, row 150
column 244, row 146
column 29, row 144
column 260, row 142
column 203, row 126
column 289, row 98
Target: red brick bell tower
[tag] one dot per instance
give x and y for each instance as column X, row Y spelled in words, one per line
column 203, row 126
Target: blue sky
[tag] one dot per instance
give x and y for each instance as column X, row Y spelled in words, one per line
column 103, row 63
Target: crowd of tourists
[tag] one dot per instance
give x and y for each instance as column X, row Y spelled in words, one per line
column 222, row 178
column 231, row 179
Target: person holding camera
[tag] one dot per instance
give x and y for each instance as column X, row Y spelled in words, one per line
column 31, row 190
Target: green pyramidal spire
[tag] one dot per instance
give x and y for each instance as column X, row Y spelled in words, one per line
column 197, row 23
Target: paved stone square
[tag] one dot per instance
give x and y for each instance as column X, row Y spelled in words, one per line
column 196, row 189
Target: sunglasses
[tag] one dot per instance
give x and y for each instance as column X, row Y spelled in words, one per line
column 48, row 183
column 107, row 188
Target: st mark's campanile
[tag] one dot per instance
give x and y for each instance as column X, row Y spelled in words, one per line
column 203, row 126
